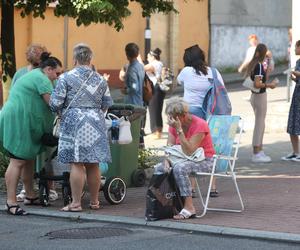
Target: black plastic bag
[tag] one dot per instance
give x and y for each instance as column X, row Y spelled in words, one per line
column 163, row 199
column 48, row 139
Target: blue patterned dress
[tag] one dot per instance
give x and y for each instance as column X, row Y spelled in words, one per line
column 293, row 127
column 83, row 136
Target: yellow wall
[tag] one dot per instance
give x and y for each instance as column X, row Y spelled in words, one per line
column 108, row 44
column 190, row 26
column 193, row 26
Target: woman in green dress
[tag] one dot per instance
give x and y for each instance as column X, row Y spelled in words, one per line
column 33, row 57
column 24, row 118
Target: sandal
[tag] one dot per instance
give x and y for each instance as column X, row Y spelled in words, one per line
column 184, row 214
column 18, row 210
column 94, row 206
column 214, row 193
column 70, row 208
column 32, row 201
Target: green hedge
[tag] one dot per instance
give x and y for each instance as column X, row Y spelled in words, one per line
column 4, row 160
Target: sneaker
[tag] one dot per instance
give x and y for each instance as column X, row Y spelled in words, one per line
column 53, row 196
column 21, row 196
column 289, row 157
column 261, row 158
column 297, row 158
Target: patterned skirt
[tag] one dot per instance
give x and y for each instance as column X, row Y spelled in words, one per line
column 83, row 137
column 293, row 127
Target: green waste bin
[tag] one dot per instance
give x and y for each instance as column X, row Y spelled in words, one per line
column 125, row 157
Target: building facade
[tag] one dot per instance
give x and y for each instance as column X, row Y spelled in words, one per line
column 232, row 21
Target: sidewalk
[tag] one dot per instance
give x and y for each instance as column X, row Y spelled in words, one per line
column 269, row 191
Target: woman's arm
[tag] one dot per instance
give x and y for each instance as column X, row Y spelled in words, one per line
column 149, row 68
column 189, row 146
column 58, row 96
column 295, row 73
column 46, row 98
column 259, row 84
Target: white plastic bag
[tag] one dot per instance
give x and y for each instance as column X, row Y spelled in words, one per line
column 56, row 126
column 249, row 84
column 125, row 136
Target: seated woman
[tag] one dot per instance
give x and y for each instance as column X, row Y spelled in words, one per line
column 191, row 132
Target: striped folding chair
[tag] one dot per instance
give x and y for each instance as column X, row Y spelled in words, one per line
column 226, row 132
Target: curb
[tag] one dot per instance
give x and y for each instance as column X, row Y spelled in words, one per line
column 185, row 227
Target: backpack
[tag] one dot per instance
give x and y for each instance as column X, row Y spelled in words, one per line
column 147, row 89
column 216, row 100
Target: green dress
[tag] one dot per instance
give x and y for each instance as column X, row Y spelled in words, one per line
column 25, row 117
column 18, row 74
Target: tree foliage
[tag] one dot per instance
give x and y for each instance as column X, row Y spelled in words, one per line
column 85, row 12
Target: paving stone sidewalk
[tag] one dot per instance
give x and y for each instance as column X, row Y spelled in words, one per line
column 269, row 191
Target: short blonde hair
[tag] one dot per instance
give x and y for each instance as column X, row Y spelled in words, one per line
column 33, row 54
column 176, row 106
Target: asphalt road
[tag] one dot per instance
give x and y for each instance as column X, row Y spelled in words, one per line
column 32, row 232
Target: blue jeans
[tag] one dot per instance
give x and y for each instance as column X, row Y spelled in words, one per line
column 197, row 111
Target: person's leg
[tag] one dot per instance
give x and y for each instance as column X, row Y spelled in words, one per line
column 159, row 121
column 181, row 173
column 295, row 143
column 77, row 178
column 12, row 176
column 93, row 181
column 259, row 105
column 27, row 178
column 152, row 111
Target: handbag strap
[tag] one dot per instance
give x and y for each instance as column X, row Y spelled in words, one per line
column 78, row 92
column 260, row 69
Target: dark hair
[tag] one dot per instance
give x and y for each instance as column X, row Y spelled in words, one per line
column 298, row 43
column 194, row 57
column 156, row 53
column 259, row 56
column 49, row 61
column 132, row 50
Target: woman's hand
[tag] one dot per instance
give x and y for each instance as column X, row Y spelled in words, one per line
column 273, row 84
column 175, row 123
column 106, row 76
column 295, row 74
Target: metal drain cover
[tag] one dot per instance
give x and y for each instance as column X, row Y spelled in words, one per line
column 88, row 233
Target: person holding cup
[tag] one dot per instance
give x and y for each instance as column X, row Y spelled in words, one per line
column 258, row 101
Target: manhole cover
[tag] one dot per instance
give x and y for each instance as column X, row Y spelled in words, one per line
column 88, row 233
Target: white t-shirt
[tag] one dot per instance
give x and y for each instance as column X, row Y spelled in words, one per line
column 195, row 86
column 250, row 53
column 158, row 65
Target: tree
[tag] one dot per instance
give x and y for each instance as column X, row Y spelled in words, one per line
column 7, row 44
column 85, row 12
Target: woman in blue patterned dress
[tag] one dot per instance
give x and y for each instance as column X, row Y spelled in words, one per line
column 293, row 127
column 83, row 140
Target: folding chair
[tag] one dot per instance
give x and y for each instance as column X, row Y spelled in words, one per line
column 226, row 132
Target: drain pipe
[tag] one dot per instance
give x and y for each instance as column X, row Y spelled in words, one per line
column 66, row 40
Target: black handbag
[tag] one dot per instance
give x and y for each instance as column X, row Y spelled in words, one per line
column 163, row 199
column 48, row 139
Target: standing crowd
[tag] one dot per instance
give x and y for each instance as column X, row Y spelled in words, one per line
column 81, row 97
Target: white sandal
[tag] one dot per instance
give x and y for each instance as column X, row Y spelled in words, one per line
column 184, row 214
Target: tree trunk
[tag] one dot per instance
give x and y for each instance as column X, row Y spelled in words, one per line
column 7, row 45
